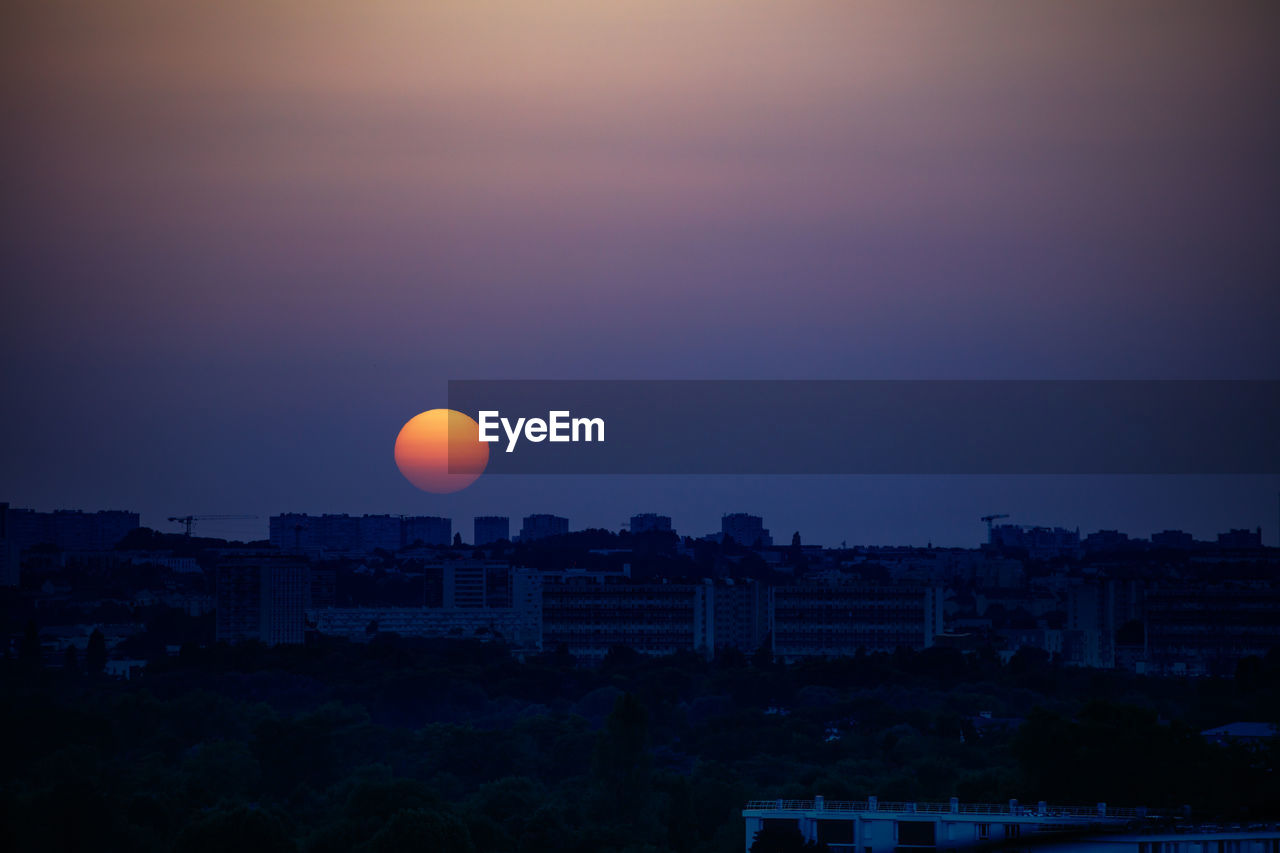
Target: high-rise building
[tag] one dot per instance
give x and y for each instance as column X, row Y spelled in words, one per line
column 745, row 529
column 492, row 528
column 542, row 526
column 262, row 598
column 650, row 522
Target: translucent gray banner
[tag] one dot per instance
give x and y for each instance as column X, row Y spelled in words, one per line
column 875, row 427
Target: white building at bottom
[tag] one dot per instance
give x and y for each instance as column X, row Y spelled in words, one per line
column 870, row 826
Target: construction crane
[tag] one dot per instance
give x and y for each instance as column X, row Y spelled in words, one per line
column 990, row 518
column 188, row 521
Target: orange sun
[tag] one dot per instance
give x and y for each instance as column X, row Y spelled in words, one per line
column 433, row 443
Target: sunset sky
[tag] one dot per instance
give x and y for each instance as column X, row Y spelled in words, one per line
column 243, row 242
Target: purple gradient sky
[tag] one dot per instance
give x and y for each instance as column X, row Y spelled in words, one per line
column 243, row 242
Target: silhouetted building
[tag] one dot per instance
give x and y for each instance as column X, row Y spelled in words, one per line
column 339, row 533
column 1172, row 539
column 380, row 532
column 745, row 529
column 315, row 534
column 492, row 528
column 1038, row 542
column 262, row 598
column 67, row 530
column 303, row 533
column 1238, row 539
column 650, row 522
column 1110, row 540
column 294, row 532
column 427, row 530
column 541, row 526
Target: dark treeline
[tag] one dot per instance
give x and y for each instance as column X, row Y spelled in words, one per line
column 453, row 746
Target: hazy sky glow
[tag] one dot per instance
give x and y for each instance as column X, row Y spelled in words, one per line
column 244, row 242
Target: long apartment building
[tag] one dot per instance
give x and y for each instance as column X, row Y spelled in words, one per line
column 839, row 618
column 590, row 612
column 1205, row 630
column 464, row 599
column 65, row 529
